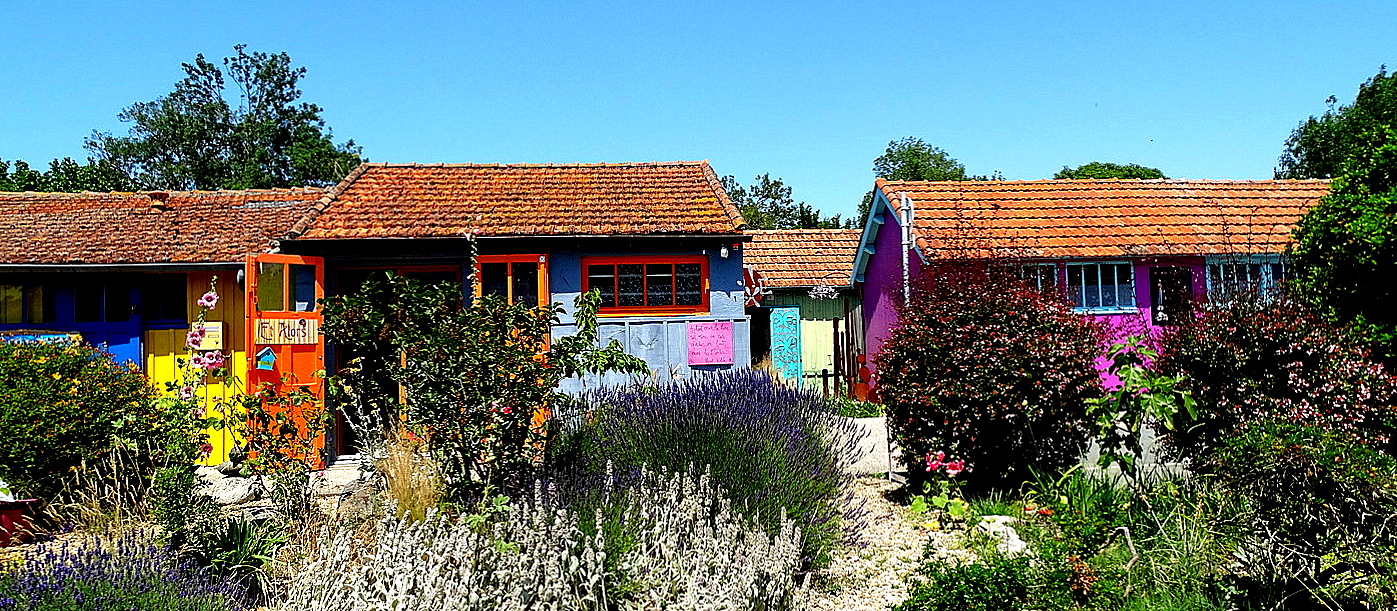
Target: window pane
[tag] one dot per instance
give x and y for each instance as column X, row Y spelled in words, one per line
column 118, row 302
column 271, row 287
column 494, row 279
column 39, row 304
column 659, row 284
column 526, row 283
column 303, row 288
column 164, row 298
column 1125, row 286
column 87, row 302
column 603, row 278
column 11, row 304
column 1076, row 285
column 1091, row 285
column 689, row 281
column 632, row 283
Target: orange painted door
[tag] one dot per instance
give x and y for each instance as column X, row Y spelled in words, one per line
column 284, row 345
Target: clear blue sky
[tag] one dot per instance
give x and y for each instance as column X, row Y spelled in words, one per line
column 810, row 92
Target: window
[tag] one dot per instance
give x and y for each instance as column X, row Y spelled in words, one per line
column 1234, row 279
column 1041, row 278
column 521, row 279
column 164, row 298
column 648, row 285
column 280, row 285
column 101, row 302
column 26, row 304
column 1101, row 286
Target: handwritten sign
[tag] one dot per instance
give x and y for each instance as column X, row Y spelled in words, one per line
column 710, row 343
column 287, row 331
column 213, row 337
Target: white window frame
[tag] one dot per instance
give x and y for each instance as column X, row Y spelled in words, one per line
column 1075, row 297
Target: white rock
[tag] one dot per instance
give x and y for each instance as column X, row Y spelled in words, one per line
column 1001, row 528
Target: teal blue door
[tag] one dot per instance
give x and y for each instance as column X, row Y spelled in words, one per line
column 785, row 342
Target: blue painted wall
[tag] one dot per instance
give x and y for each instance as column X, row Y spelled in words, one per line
column 661, row 340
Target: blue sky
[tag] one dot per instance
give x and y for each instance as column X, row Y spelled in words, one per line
column 810, row 92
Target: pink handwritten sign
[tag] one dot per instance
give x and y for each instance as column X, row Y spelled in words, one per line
column 710, row 343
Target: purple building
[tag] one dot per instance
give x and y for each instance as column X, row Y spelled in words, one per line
column 1133, row 252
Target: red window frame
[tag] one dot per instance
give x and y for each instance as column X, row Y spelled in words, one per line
column 616, row 310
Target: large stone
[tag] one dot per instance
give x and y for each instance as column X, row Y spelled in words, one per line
column 1007, row 540
column 233, row 490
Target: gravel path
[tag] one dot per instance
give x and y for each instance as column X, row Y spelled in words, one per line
column 872, row 578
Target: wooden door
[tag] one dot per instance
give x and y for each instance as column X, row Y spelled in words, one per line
column 785, row 342
column 284, row 345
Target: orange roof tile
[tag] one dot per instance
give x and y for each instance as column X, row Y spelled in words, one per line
column 153, row 227
column 421, row 201
column 1105, row 218
column 803, row 257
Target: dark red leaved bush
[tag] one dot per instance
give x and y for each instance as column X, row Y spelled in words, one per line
column 991, row 372
column 1254, row 360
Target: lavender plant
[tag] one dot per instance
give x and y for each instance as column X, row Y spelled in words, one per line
column 772, row 447
column 697, row 554
column 125, row 571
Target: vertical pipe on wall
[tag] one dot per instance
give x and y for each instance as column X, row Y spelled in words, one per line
column 906, row 214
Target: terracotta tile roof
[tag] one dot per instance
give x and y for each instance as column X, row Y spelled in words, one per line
column 803, row 257
column 1106, row 218
column 422, row 201
column 155, row 227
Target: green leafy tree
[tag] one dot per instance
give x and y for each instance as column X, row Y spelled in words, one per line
column 913, row 159
column 64, row 176
column 767, row 204
column 1102, row 169
column 1347, row 244
column 194, row 139
column 1320, row 146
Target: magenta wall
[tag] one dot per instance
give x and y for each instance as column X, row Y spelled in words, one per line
column 882, row 292
column 882, row 287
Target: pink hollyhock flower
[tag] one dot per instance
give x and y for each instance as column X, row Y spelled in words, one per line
column 208, row 300
column 954, row 468
column 194, row 337
column 197, row 361
column 206, row 449
column 186, row 393
column 213, row 360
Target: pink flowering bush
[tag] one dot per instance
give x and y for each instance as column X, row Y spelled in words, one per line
column 982, row 368
column 1249, row 361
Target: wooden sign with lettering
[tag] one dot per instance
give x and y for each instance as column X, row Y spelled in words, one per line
column 710, row 343
column 287, row 331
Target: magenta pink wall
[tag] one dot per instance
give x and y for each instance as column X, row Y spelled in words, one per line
column 882, row 291
column 882, row 287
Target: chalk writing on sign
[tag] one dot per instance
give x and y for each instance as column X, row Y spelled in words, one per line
column 710, row 343
column 287, row 330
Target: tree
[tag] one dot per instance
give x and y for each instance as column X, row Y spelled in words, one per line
column 1347, row 244
column 913, row 159
column 1320, row 146
column 194, row 139
column 1102, row 169
column 767, row 204
column 64, row 176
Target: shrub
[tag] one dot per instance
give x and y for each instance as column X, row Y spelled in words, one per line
column 770, row 446
column 1322, row 505
column 998, row 585
column 471, row 373
column 61, row 403
column 691, row 551
column 985, row 369
column 127, row 571
column 1251, row 360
